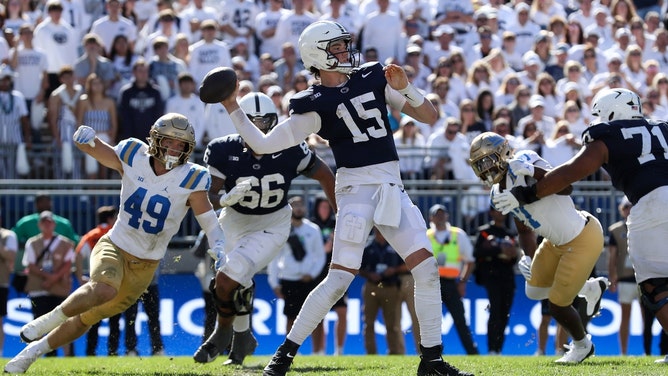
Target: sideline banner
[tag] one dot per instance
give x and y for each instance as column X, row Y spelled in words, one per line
column 182, row 316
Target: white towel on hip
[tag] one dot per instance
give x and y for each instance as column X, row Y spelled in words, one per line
column 388, row 209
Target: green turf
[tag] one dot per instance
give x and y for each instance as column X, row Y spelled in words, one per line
column 347, row 365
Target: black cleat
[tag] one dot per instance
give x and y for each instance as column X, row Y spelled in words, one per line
column 282, row 360
column 243, row 345
column 206, row 353
column 431, row 364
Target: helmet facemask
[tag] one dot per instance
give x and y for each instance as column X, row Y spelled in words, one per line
column 332, row 60
column 490, row 169
column 264, row 123
column 315, row 44
column 261, row 111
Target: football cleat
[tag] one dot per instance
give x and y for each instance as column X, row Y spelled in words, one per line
column 576, row 354
column 206, row 353
column 243, row 345
column 23, row 360
column 282, row 360
column 593, row 292
column 40, row 326
column 663, row 360
column 432, row 364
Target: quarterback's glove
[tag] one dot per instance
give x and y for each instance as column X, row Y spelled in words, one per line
column 84, row 135
column 524, row 265
column 507, row 201
column 235, row 194
column 520, row 167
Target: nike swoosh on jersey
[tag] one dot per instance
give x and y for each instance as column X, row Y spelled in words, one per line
column 274, row 156
column 364, row 75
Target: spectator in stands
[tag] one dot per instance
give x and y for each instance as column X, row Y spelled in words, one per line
column 266, row 24
column 555, row 67
column 208, row 53
column 414, row 59
column 652, row 22
column 633, row 69
column 542, row 47
column 164, row 68
column 106, row 217
column 505, row 94
column 531, row 138
column 287, row 67
column 624, row 9
column 546, row 87
column 337, row 12
column 446, row 152
column 574, row 74
column 381, row 266
column 48, row 257
column 299, row 83
column 31, row 77
column 659, row 50
column 524, row 28
column 97, row 111
column 241, row 50
column 108, row 27
column 61, row 116
column 602, row 80
column 445, row 47
column 479, row 77
column 61, row 50
column 498, row 67
column 544, row 123
column 181, row 49
column 139, row 104
column 456, row 88
column 440, row 86
column 382, row 29
column 27, row 226
column 410, row 148
column 561, row 145
column 484, row 105
column 9, row 247
column 187, row 103
column 454, row 253
column 519, row 107
column 651, row 68
column 233, row 26
column 123, row 59
column 14, row 17
column 167, row 29
column 14, row 124
column 584, row 15
column 532, row 68
column 291, row 24
column 557, row 29
column 193, row 17
column 575, row 35
column 601, row 27
column 510, row 52
column 543, row 10
column 472, row 124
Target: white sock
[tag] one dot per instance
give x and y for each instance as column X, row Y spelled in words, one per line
column 536, row 293
column 43, row 346
column 582, row 343
column 57, row 313
column 241, row 323
column 319, row 302
column 428, row 302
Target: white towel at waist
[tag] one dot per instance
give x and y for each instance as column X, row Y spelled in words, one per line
column 388, row 209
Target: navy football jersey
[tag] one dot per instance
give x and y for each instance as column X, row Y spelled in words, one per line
column 353, row 117
column 637, row 154
column 271, row 174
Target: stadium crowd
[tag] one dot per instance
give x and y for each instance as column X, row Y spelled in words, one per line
column 526, row 71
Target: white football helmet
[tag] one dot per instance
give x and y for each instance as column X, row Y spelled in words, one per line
column 261, row 110
column 616, row 104
column 489, row 157
column 174, row 126
column 314, row 45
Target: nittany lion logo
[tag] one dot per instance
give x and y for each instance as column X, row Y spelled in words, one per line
column 60, row 38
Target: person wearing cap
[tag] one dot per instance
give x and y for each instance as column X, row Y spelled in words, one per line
column 544, row 124
column 288, row 67
column 208, row 53
column 187, row 103
column 93, row 61
column 382, row 29
column 242, row 50
column 15, row 129
column 48, row 258
column 112, row 24
column 60, row 51
column 414, row 59
column 9, row 247
column 584, row 16
column 454, row 254
column 140, row 104
column 266, row 24
column 445, row 47
column 275, row 92
column 555, row 67
column 524, row 28
column 542, row 11
column 601, row 27
column 169, row 25
column 546, row 87
column 602, row 80
column 532, row 67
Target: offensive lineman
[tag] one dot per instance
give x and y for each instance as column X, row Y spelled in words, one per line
column 158, row 186
column 256, row 218
column 349, row 108
column 634, row 151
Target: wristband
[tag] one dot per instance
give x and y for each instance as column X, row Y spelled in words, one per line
column 412, row 95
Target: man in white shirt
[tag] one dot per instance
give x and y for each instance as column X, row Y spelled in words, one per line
column 266, row 24
column 189, row 105
column 208, row 53
column 114, row 24
column 382, row 30
column 194, row 15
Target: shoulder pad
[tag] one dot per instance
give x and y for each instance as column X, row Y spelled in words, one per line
column 219, row 148
column 128, row 149
column 595, row 132
column 301, row 102
column 198, row 176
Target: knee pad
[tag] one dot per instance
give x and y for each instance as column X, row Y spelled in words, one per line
column 240, row 304
column 648, row 298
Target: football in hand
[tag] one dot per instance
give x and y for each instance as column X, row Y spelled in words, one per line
column 217, row 85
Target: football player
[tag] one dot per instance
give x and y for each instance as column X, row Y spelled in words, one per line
column 349, row 109
column 572, row 239
column 256, row 217
column 634, row 151
column 158, row 187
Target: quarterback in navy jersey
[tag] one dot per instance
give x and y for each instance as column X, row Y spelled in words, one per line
column 348, row 108
column 255, row 216
column 634, row 151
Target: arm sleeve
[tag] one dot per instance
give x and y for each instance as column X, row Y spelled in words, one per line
column 289, row 132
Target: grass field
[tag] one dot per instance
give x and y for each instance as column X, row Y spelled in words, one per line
column 347, row 365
